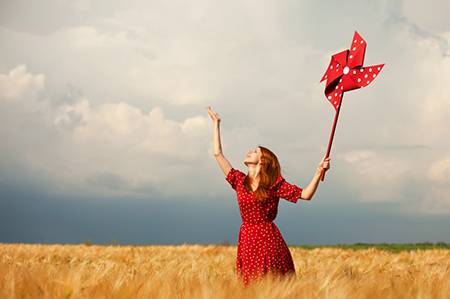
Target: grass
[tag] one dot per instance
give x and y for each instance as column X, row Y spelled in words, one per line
column 391, row 247
column 208, row 271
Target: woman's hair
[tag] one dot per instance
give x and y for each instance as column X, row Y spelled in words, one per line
column 268, row 174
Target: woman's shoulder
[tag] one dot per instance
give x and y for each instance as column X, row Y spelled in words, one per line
column 241, row 174
column 235, row 172
column 277, row 182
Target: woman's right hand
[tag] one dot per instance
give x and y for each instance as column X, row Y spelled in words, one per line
column 214, row 115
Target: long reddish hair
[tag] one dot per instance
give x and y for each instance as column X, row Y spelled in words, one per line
column 268, row 174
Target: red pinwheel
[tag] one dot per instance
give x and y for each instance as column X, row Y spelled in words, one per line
column 345, row 72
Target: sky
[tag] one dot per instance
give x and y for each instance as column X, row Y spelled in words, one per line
column 105, row 136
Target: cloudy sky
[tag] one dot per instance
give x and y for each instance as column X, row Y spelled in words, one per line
column 105, row 134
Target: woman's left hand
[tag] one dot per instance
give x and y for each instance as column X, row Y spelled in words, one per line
column 324, row 164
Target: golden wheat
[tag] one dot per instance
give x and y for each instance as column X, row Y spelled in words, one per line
column 208, row 271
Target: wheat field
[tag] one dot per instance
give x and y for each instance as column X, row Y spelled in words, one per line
column 207, row 271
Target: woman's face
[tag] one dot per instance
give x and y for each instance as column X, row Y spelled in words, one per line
column 253, row 156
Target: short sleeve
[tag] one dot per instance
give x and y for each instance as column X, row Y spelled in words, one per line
column 288, row 191
column 233, row 177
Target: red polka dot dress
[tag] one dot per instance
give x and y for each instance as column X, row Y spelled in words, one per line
column 261, row 247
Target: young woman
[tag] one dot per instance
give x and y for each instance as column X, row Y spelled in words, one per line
column 261, row 248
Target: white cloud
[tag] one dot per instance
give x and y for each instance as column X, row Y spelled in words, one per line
column 146, row 70
column 85, row 141
column 357, row 156
column 88, row 37
column 18, row 83
column 432, row 16
column 377, row 174
column 439, row 171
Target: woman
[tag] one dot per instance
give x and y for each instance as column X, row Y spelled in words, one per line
column 261, row 248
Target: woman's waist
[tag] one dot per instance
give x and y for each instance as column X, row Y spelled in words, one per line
column 254, row 222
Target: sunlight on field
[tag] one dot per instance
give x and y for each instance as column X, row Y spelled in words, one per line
column 201, row 271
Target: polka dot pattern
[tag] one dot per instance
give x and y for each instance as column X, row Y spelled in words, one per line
column 357, row 51
column 335, row 97
column 261, row 247
column 346, row 72
column 366, row 74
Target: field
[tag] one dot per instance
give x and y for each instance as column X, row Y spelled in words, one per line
column 207, row 271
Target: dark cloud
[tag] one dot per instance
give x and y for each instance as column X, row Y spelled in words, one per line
column 43, row 217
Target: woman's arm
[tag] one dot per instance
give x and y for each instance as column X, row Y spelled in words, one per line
column 224, row 164
column 309, row 191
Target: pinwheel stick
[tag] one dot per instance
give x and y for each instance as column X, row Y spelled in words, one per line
column 330, row 141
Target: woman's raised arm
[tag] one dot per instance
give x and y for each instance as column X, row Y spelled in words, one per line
column 224, row 164
column 309, row 191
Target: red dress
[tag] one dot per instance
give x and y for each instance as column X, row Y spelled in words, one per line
column 261, row 247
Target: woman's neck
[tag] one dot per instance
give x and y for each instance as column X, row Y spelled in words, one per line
column 253, row 172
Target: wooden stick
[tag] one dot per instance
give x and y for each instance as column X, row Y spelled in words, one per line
column 330, row 141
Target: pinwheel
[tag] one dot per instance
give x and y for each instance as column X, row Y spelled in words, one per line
column 344, row 73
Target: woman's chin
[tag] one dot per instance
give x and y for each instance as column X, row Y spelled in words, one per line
column 248, row 162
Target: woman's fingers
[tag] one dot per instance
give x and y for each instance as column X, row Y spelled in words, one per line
column 325, row 163
column 210, row 111
column 214, row 115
